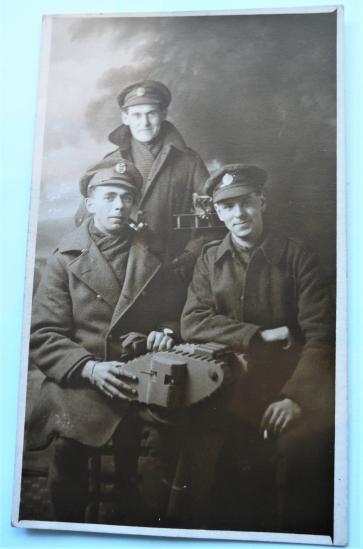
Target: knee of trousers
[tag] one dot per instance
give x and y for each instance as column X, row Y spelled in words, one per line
column 301, row 446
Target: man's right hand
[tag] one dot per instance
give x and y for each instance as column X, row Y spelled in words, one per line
column 280, row 415
column 109, row 376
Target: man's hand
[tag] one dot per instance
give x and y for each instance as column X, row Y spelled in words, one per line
column 280, row 415
column 183, row 265
column 160, row 341
column 108, row 377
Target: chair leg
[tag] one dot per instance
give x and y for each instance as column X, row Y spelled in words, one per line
column 93, row 507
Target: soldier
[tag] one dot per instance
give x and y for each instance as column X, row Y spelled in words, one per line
column 263, row 295
column 171, row 171
column 103, row 281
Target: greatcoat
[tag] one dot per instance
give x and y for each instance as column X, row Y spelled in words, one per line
column 79, row 312
column 176, row 174
column 284, row 286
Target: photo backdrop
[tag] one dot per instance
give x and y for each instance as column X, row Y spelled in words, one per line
column 256, row 89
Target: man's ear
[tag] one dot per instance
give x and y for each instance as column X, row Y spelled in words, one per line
column 90, row 204
column 125, row 117
column 164, row 113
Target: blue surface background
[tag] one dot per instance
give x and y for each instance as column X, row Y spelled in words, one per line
column 20, row 33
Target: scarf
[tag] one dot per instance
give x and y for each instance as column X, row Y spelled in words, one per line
column 114, row 248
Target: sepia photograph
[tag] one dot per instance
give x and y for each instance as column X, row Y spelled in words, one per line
column 181, row 370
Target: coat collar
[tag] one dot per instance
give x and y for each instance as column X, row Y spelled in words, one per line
column 77, row 241
column 80, row 240
column 171, row 137
column 91, row 267
column 272, row 247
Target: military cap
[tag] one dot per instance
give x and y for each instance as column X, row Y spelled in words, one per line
column 150, row 92
column 123, row 173
column 234, row 180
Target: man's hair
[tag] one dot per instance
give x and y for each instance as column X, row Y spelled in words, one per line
column 90, row 191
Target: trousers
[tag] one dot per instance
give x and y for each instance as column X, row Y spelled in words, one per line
column 145, row 449
column 205, row 471
column 241, row 481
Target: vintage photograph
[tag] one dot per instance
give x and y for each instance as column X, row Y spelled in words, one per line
column 179, row 342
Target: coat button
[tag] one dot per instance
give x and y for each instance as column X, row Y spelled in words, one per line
column 99, row 297
column 144, row 293
column 109, row 337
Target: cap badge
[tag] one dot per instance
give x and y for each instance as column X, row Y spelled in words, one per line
column 120, row 167
column 227, row 179
column 140, row 92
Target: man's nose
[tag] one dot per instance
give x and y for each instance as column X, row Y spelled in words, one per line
column 146, row 120
column 118, row 202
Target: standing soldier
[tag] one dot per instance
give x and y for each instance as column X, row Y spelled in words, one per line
column 171, row 171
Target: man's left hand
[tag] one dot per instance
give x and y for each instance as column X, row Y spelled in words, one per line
column 159, row 341
column 280, row 415
column 183, row 265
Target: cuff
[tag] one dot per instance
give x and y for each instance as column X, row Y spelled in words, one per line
column 250, row 335
column 74, row 376
column 73, row 362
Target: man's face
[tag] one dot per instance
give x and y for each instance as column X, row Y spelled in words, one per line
column 243, row 216
column 144, row 121
column 111, row 207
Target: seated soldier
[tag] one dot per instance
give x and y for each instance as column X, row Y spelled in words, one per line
column 263, row 295
column 104, row 280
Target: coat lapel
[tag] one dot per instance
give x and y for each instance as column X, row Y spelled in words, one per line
column 93, row 270
column 142, row 266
